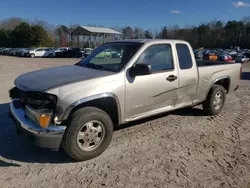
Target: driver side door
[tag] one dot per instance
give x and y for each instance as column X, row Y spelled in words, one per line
column 156, row 92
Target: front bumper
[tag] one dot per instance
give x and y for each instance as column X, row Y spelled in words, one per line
column 50, row 137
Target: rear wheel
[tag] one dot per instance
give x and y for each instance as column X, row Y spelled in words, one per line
column 215, row 100
column 89, row 134
column 50, row 55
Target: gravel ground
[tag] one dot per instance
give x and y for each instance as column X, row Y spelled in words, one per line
column 178, row 149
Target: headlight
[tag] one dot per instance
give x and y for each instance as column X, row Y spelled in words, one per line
column 41, row 116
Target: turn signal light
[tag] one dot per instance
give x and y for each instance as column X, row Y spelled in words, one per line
column 44, row 121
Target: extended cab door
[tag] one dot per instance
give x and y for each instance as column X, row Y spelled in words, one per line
column 188, row 74
column 149, row 94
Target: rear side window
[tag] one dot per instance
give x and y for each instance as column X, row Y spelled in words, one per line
column 184, row 56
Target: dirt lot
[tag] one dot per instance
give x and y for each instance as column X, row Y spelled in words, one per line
column 178, row 149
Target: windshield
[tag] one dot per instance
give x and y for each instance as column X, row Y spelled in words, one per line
column 110, row 57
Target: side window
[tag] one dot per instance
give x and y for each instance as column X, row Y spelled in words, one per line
column 184, row 56
column 158, row 56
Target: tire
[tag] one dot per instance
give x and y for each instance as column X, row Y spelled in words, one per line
column 211, row 106
column 32, row 55
column 50, row 55
column 80, row 119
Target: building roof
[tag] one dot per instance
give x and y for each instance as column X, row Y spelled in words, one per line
column 86, row 30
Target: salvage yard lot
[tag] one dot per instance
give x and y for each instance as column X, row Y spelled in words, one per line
column 178, row 149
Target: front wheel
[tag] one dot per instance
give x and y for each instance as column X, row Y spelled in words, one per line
column 89, row 134
column 215, row 100
column 32, row 55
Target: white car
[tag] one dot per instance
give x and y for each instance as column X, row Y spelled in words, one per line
column 42, row 52
column 241, row 59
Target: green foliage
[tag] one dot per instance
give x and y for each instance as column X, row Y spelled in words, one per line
column 5, row 37
column 40, row 37
column 25, row 35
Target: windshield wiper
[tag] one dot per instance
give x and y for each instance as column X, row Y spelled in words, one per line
column 93, row 66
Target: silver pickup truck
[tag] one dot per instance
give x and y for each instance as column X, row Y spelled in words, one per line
column 77, row 106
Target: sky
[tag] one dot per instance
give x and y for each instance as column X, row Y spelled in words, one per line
column 148, row 14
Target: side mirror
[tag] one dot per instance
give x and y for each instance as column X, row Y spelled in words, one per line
column 140, row 69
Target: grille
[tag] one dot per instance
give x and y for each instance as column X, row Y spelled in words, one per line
column 16, row 93
column 36, row 100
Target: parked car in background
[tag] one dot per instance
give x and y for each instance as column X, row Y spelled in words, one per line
column 2, row 51
column 58, row 50
column 225, row 57
column 210, row 56
column 7, row 51
column 247, row 54
column 87, row 51
column 13, row 51
column 71, row 52
column 241, row 58
column 61, row 52
column 24, row 52
column 42, row 52
column 233, row 54
column 198, row 55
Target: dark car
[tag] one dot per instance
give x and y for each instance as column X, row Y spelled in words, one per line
column 7, row 51
column 13, row 52
column 2, row 51
column 24, row 52
column 247, row 54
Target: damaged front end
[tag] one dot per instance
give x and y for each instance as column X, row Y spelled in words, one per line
column 39, row 107
column 35, row 112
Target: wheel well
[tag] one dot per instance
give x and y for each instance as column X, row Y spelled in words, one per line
column 224, row 83
column 107, row 104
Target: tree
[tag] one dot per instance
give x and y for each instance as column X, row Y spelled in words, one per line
column 138, row 33
column 21, row 35
column 164, row 33
column 14, row 32
column 25, row 35
column 62, row 35
column 127, row 32
column 148, row 35
column 4, row 37
column 39, row 37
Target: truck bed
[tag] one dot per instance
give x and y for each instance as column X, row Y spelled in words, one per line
column 210, row 71
column 202, row 63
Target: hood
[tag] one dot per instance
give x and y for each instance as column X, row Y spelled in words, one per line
column 45, row 79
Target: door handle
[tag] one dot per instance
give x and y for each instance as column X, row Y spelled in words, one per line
column 171, row 78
